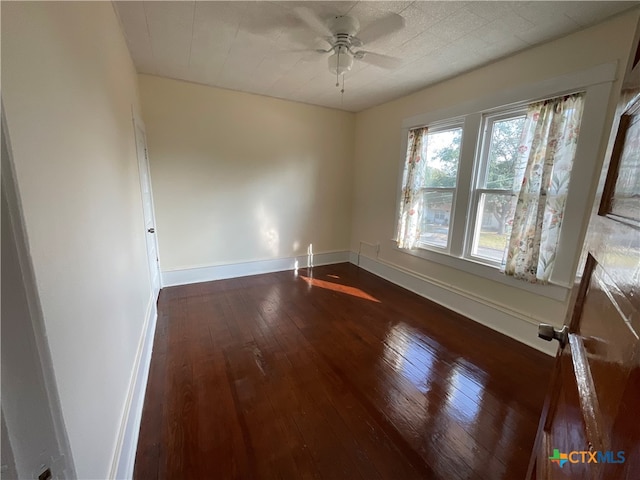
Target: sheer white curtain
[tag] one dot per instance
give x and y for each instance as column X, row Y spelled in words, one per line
column 412, row 182
column 543, row 167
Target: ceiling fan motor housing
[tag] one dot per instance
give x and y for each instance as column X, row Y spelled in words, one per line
column 344, row 24
column 344, row 29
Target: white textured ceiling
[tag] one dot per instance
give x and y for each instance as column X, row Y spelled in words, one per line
column 255, row 46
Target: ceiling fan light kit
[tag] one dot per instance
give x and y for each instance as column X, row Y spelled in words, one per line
column 340, row 62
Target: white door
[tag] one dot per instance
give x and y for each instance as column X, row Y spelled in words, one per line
column 147, row 207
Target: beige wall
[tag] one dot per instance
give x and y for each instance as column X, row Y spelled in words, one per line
column 237, row 177
column 240, row 177
column 378, row 151
column 68, row 85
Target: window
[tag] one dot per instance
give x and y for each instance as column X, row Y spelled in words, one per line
column 495, row 194
column 501, row 189
column 441, row 152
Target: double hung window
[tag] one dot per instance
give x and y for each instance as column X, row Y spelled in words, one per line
column 494, row 197
column 441, row 152
column 497, row 179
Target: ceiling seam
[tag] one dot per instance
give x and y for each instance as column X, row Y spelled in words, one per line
column 146, row 23
column 193, row 22
column 226, row 57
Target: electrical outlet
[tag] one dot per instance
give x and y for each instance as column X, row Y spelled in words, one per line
column 46, row 475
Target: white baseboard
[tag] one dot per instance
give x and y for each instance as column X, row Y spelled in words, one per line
column 220, row 272
column 127, row 443
column 508, row 323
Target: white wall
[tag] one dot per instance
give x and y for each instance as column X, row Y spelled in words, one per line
column 378, row 155
column 240, row 177
column 31, row 433
column 68, row 86
column 8, row 462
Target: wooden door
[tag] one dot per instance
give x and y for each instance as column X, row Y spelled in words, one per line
column 590, row 423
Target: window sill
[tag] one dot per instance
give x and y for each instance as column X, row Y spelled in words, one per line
column 556, row 292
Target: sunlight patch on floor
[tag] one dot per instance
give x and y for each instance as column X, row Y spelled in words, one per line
column 336, row 287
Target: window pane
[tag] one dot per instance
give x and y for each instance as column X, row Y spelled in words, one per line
column 495, row 216
column 503, row 150
column 442, row 155
column 435, row 218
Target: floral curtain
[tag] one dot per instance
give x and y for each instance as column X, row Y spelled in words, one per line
column 546, row 152
column 412, row 181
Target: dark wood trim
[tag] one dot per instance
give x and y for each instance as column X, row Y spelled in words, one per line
column 585, row 279
column 629, row 117
column 612, row 174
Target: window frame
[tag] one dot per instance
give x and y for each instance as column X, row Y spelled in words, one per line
column 481, row 171
column 436, row 127
column 597, row 83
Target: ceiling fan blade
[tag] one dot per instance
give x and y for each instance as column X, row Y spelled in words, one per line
column 304, row 55
column 312, row 20
column 378, row 60
column 301, row 41
column 300, row 50
column 381, row 28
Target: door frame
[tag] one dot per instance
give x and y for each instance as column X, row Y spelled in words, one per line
column 139, row 124
column 64, row 464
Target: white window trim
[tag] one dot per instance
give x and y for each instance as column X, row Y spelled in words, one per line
column 557, row 292
column 480, row 174
column 597, row 83
column 435, row 127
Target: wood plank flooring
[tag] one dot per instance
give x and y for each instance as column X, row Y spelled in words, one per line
column 332, row 373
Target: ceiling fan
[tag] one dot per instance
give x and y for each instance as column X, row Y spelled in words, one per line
column 345, row 39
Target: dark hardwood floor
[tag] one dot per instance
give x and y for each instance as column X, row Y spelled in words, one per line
column 332, row 373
